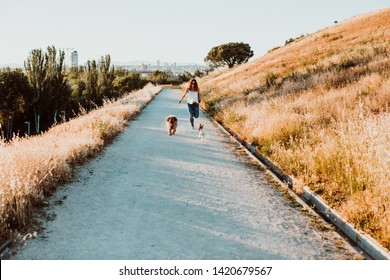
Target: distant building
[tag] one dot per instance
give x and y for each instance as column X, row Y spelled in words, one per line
column 74, row 59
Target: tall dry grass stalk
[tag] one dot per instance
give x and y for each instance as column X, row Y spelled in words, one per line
column 31, row 168
column 320, row 108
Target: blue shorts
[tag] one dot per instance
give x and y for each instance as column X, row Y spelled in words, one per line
column 193, row 110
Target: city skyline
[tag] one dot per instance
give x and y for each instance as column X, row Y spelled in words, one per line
column 170, row 31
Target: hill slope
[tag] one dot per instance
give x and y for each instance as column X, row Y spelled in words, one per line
column 320, row 108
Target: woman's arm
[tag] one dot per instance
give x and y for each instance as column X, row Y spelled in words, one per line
column 183, row 95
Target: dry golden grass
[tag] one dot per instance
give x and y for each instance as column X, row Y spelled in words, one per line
column 361, row 30
column 320, row 108
column 31, row 168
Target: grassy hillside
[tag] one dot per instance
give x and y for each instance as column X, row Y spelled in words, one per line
column 320, row 108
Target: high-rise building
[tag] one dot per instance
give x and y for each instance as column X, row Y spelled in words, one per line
column 74, row 59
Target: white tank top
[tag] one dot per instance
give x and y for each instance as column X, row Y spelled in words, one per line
column 192, row 97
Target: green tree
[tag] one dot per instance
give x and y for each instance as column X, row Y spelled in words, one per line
column 106, row 77
column 36, row 68
column 128, row 82
column 57, row 87
column 91, row 92
column 184, row 77
column 46, row 74
column 229, row 54
column 76, row 79
column 158, row 77
column 16, row 97
column 120, row 72
column 198, row 73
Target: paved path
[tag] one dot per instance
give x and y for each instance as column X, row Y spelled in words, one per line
column 154, row 196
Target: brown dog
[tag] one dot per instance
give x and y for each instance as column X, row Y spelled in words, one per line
column 171, row 121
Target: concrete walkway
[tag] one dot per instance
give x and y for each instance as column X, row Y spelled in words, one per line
column 154, row 196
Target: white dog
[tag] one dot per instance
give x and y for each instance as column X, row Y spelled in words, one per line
column 201, row 131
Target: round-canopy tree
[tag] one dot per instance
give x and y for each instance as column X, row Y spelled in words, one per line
column 229, row 54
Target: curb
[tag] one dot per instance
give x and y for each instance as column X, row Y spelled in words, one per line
column 362, row 240
column 5, row 245
column 308, row 198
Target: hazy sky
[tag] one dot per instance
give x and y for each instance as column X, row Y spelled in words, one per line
column 169, row 30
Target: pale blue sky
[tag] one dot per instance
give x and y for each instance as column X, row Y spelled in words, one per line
column 171, row 30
